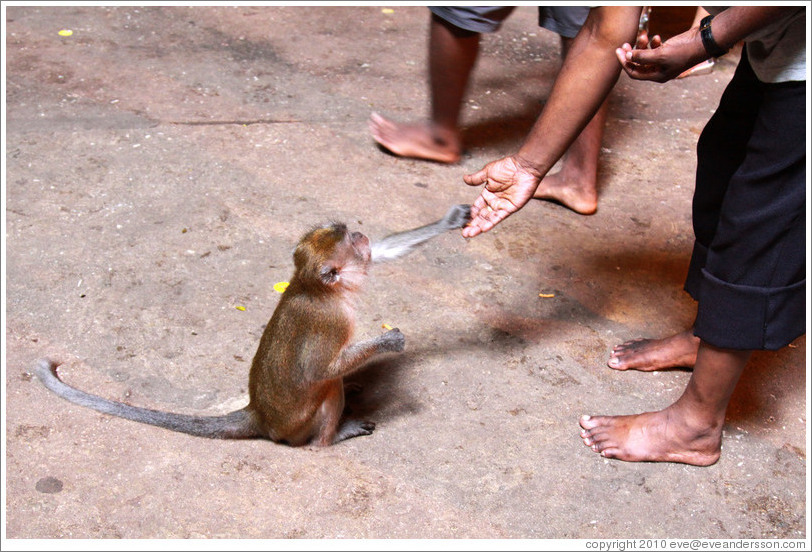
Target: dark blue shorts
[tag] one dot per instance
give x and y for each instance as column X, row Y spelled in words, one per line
column 748, row 268
column 564, row 20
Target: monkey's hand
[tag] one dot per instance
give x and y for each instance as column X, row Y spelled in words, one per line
column 392, row 341
column 457, row 217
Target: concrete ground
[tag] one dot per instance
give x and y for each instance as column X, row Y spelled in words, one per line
column 161, row 163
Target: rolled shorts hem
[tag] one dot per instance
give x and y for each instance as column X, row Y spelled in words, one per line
column 731, row 316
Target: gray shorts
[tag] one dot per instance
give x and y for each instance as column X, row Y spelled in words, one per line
column 564, row 20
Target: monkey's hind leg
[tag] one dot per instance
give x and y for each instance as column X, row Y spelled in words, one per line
column 330, row 425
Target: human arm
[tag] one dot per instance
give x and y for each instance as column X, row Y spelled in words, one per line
column 664, row 61
column 587, row 76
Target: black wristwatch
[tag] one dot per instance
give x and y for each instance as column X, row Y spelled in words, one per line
column 711, row 47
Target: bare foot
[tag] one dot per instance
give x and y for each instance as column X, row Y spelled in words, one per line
column 648, row 355
column 420, row 141
column 575, row 194
column 664, row 436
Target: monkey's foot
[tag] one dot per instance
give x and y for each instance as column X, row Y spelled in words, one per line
column 648, row 355
column 577, row 194
column 418, row 141
column 354, row 428
column 665, row 436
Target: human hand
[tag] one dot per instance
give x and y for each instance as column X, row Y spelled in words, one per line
column 509, row 184
column 659, row 61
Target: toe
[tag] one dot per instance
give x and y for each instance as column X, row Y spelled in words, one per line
column 587, row 422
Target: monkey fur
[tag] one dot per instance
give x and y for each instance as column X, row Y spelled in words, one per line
column 296, row 390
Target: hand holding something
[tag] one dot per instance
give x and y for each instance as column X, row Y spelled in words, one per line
column 662, row 61
column 509, row 185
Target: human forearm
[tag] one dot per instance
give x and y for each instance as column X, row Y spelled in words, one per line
column 585, row 80
column 737, row 23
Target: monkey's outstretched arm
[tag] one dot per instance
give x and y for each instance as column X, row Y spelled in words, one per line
column 352, row 357
column 401, row 243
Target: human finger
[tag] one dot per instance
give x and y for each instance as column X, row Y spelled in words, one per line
column 478, row 222
column 478, row 225
column 485, row 214
column 642, row 40
column 623, row 54
column 476, row 207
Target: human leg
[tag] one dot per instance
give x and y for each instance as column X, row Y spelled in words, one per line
column 689, row 431
column 452, row 55
column 720, row 152
column 767, row 266
column 454, row 36
column 747, row 271
column 575, row 185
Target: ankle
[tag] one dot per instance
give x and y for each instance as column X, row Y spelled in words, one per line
column 698, row 423
column 440, row 134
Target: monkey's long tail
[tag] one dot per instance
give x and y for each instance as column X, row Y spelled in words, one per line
column 239, row 424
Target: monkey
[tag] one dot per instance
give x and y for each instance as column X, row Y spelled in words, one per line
column 295, row 383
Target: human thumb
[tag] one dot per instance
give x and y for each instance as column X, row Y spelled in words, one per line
column 476, row 179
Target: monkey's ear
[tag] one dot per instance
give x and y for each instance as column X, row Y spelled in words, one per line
column 330, row 274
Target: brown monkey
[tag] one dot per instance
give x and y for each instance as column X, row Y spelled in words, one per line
column 295, row 384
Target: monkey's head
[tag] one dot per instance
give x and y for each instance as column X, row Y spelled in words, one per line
column 332, row 258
